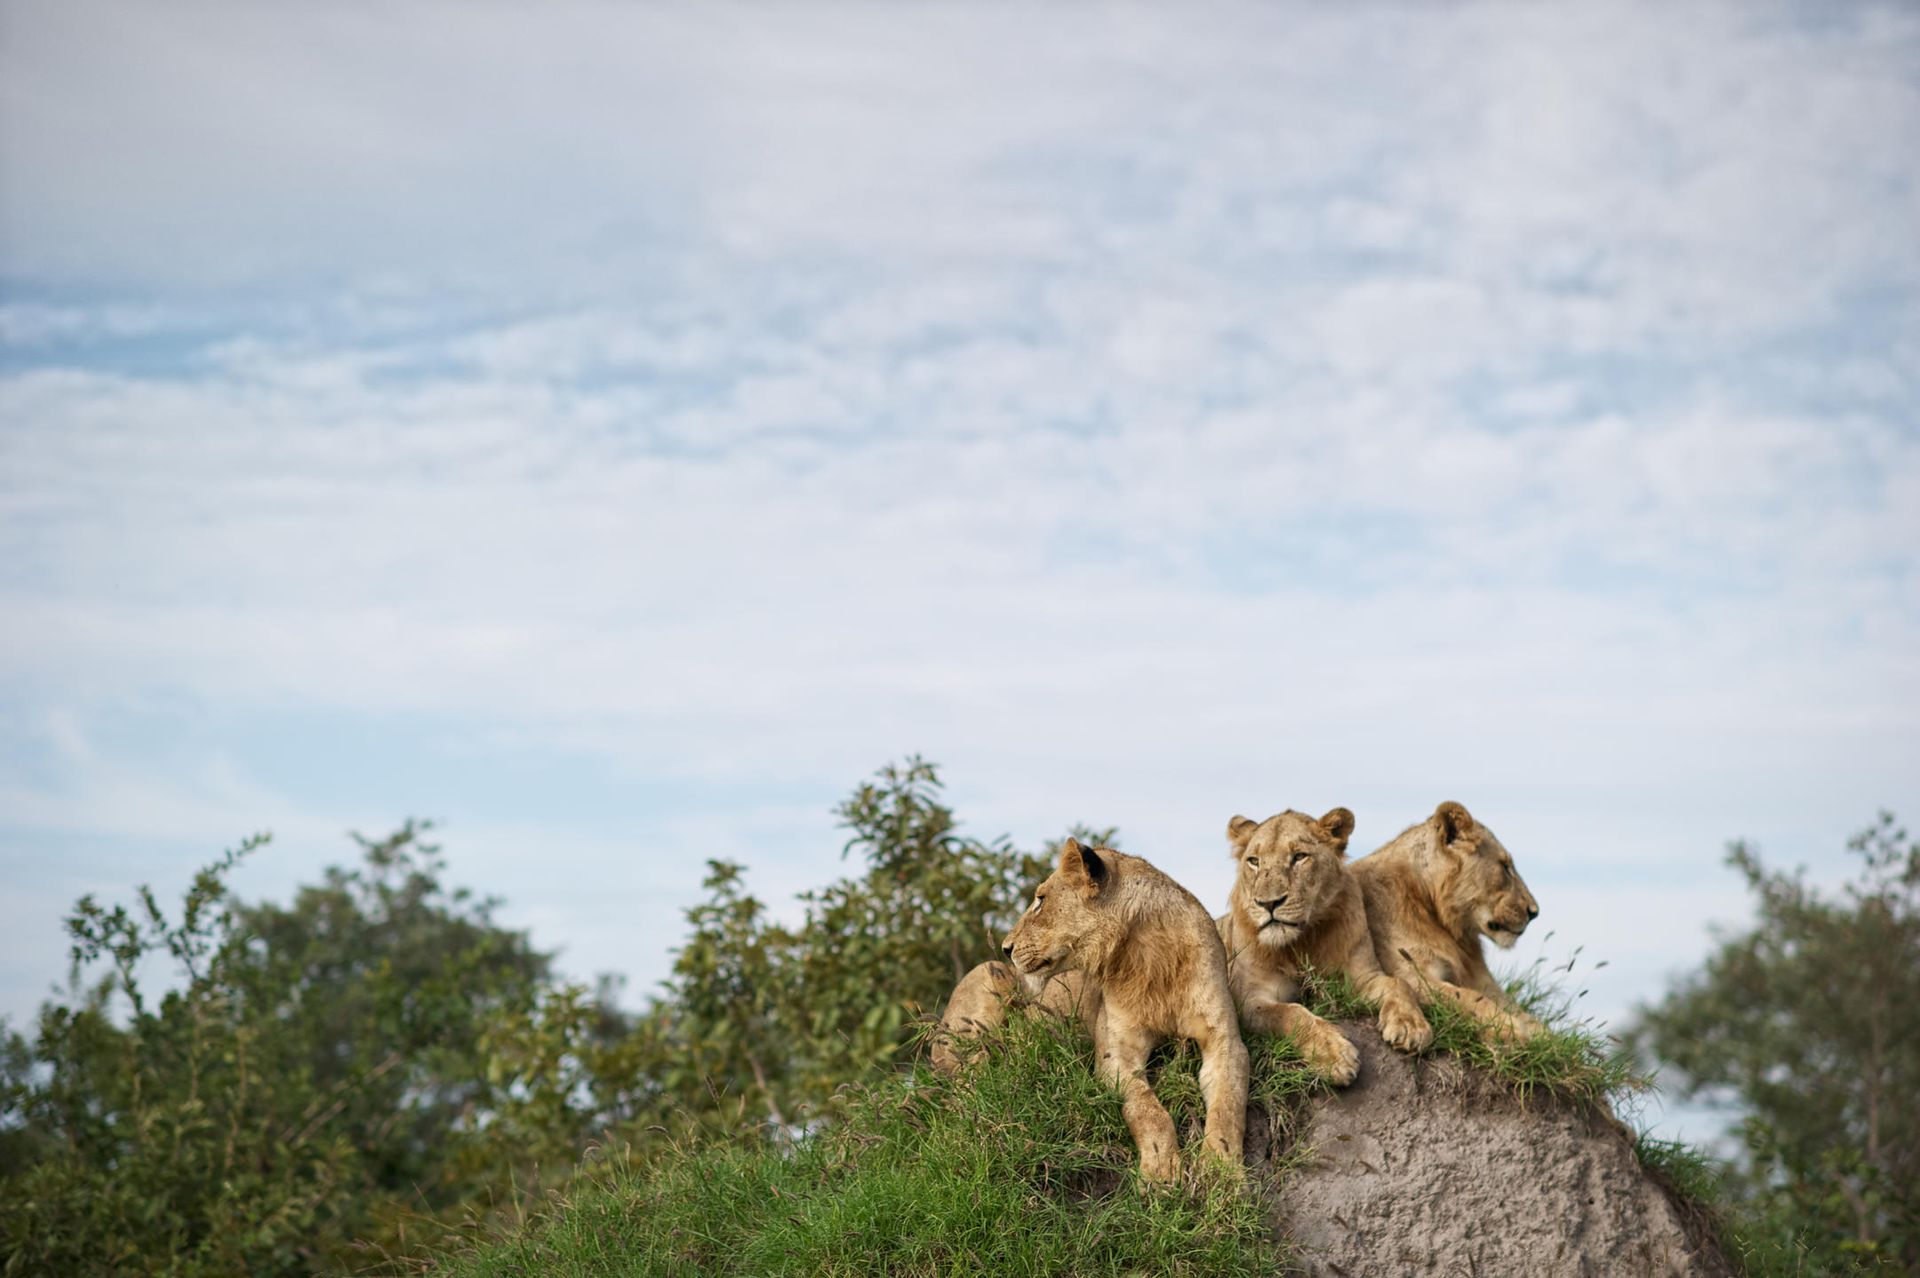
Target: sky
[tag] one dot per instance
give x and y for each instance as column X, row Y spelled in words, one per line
column 613, row 431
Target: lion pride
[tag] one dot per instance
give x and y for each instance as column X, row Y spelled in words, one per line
column 1295, row 905
column 1431, row 894
column 1149, row 947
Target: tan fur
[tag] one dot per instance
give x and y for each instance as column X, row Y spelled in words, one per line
column 1295, row 904
column 1431, row 894
column 1149, row 948
column 981, row 999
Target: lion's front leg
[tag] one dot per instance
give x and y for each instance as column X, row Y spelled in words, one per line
column 1319, row 1040
column 1223, row 1082
column 1123, row 1056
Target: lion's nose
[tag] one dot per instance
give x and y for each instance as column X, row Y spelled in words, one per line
column 1274, row 904
column 1533, row 912
column 1006, row 952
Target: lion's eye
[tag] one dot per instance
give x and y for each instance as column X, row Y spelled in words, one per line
column 1298, row 857
column 1253, row 863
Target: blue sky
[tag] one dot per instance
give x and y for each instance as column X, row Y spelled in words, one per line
column 614, row 431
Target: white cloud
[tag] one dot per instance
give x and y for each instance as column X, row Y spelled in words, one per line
column 1148, row 418
column 309, row 537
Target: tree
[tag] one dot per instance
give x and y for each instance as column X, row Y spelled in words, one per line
column 878, row 949
column 1809, row 1023
column 302, row 1084
column 787, row 1015
column 760, row 1023
column 727, row 1015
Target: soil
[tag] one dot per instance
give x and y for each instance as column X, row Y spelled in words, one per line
column 1428, row 1167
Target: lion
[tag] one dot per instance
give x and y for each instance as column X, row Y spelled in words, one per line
column 1295, row 904
column 1431, row 894
column 980, row 1001
column 1149, row 948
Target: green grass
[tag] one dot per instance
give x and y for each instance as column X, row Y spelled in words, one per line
column 1691, row 1173
column 1022, row 1165
column 1019, row 1165
column 1570, row 1058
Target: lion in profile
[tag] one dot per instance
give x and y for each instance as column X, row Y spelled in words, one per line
column 1432, row 893
column 1296, row 905
column 1136, row 955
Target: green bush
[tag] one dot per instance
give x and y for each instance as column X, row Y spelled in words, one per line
column 297, row 1087
column 1808, row 1023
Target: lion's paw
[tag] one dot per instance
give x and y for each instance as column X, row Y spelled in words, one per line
column 1159, row 1166
column 1332, row 1054
column 1516, row 1026
column 1405, row 1028
column 1220, row 1163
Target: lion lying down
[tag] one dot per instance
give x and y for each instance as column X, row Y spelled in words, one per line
column 1135, row 955
column 1431, row 894
column 980, row 1001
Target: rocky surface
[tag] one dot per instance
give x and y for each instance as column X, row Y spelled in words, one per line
column 1429, row 1167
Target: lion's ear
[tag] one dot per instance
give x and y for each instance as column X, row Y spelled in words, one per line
column 1239, row 830
column 1453, row 821
column 1096, row 867
column 1082, row 864
column 1088, row 865
column 1338, row 823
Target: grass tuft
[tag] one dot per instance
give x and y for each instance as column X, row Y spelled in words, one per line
column 1569, row 1059
column 1689, row 1172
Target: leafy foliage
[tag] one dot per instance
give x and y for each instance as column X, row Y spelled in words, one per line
column 297, row 1084
column 785, row 1016
column 1810, row 1024
column 359, row 1072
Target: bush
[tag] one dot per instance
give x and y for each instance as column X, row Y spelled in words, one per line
column 1809, row 1025
column 299, row 1087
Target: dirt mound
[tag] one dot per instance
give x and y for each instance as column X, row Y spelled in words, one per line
column 1431, row 1167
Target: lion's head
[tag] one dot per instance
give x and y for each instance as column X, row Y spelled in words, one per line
column 1476, row 886
column 1289, row 871
column 1068, row 925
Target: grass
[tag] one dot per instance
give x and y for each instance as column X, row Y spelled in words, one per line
column 1569, row 1058
column 1019, row 1165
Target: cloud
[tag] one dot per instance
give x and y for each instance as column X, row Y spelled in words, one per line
column 1676, row 167
column 1148, row 418
column 300, row 532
